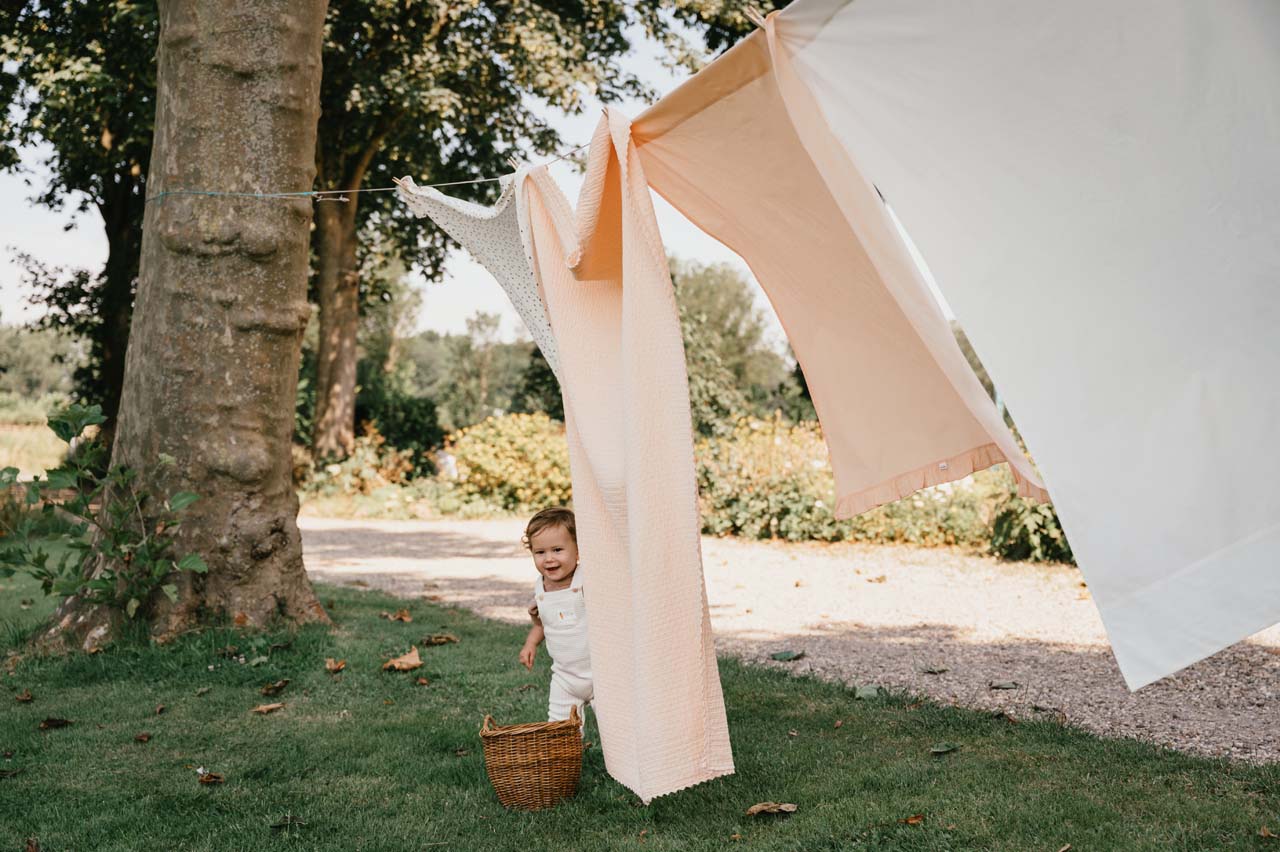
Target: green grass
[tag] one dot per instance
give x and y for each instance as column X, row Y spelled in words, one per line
column 369, row 760
column 32, row 449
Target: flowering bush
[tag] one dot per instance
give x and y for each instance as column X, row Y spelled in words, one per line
column 516, row 463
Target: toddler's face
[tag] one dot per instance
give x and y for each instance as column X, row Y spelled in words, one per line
column 555, row 554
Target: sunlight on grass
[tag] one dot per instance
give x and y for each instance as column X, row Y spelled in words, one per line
column 31, row 449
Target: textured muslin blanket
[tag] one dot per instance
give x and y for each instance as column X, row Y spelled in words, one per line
column 608, row 291
column 493, row 237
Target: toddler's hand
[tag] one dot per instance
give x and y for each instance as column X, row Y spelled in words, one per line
column 527, row 655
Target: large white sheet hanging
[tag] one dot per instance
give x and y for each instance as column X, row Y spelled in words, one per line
column 1096, row 187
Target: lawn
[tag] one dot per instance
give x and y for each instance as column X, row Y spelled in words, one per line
column 367, row 759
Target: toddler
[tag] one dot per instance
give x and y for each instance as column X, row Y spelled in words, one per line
column 559, row 612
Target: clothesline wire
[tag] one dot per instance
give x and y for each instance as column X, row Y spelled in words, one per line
column 340, row 194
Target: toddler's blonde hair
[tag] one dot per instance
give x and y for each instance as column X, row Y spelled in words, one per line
column 555, row 516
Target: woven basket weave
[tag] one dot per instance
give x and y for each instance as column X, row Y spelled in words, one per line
column 535, row 765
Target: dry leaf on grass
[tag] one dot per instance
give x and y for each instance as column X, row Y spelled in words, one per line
column 793, row 733
column 1066, row 848
column 943, row 748
column 333, row 666
column 839, row 723
column 241, row 619
column 422, row 681
column 142, row 737
column 525, row 687
column 1266, row 832
column 398, row 615
column 204, row 690
column 264, row 709
column 24, row 697
column 771, row 808
column 461, row 752
column 440, row 639
column 209, row 777
column 408, row 662
column 275, row 688
column 33, row 845
column 914, row 819
column 159, row 709
column 51, row 723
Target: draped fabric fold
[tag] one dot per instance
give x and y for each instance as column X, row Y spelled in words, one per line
column 608, row 292
column 1095, row 187
column 899, row 405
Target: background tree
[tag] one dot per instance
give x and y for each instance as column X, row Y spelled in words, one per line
column 446, row 91
column 221, row 309
column 81, row 81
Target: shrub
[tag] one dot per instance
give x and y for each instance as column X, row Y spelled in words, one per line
column 372, row 465
column 516, row 462
column 1027, row 531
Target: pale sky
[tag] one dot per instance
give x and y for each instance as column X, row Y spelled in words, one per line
column 466, row 288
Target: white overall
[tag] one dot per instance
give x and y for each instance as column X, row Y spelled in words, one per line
column 564, row 621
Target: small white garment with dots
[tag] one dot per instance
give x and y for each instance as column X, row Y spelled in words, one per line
column 497, row 238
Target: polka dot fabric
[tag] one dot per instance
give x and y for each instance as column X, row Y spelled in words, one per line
column 492, row 236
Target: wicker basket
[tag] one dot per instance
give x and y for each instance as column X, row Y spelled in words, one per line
column 535, row 765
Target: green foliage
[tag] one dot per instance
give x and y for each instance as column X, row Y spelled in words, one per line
column 371, row 466
column 517, row 462
column 1027, row 531
column 539, row 389
column 404, row 421
column 119, row 535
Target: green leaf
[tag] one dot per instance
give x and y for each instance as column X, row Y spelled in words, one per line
column 867, row 693
column 193, row 562
column 787, row 656
column 167, row 460
column 131, row 608
column 61, row 478
column 182, row 500
column 943, row 748
column 170, row 591
column 8, row 476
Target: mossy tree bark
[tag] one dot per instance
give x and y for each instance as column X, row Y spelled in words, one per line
column 212, row 363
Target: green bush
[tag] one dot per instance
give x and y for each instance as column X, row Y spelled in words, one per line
column 1028, row 532
column 516, row 462
column 372, row 465
column 406, row 421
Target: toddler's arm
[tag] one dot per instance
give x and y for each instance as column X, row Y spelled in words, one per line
column 530, row 650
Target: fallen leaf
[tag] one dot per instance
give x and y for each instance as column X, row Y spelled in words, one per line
column 275, row 688
column 329, row 604
column 943, row 748
column 839, row 723
column 525, row 687
column 440, row 639
column 866, row 693
column 51, row 723
column 228, row 651
column 143, row 737
column 435, row 598
column 643, row 832
column 1006, row 716
column 211, row 778
column 387, row 701
column 461, row 752
column 398, row 615
column 264, row 709
column 1004, row 684
column 422, row 681
column 799, row 583
column 793, row 733
column 159, row 709
column 1266, row 832
column 787, row 656
column 333, row 666
column 241, row 619
column 771, row 808
column 934, row 670
column 26, row 603
column 257, row 661
column 879, row 579
column 95, row 650
column 735, row 837
column 361, row 583
column 33, row 845
column 914, row 819
column 1066, row 848
column 405, row 663
column 24, row 697
column 204, row 690
column 8, row 754
column 914, row 705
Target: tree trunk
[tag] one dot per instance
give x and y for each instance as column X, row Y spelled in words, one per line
column 120, row 215
column 336, row 355
column 212, row 364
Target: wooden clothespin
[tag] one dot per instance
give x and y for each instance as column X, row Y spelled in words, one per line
column 754, row 16
column 513, row 163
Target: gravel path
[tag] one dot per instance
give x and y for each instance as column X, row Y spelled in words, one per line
column 932, row 622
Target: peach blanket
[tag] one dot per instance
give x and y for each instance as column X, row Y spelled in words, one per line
column 604, row 277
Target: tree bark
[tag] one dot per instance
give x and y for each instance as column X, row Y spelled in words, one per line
column 212, row 363
column 120, row 213
column 336, row 355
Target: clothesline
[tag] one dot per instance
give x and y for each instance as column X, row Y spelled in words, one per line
column 340, row 195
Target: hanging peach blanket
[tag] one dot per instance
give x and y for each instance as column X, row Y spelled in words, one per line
column 603, row 274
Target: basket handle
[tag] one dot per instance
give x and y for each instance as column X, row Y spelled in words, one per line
column 487, row 725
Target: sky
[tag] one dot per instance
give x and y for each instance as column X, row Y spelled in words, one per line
column 466, row 287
